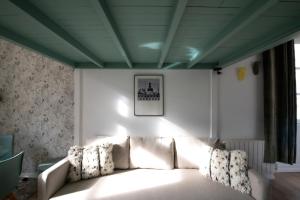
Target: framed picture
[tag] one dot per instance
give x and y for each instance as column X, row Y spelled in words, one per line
column 148, row 95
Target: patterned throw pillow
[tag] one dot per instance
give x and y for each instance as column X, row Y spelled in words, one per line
column 90, row 162
column 75, row 159
column 219, row 166
column 238, row 171
column 106, row 160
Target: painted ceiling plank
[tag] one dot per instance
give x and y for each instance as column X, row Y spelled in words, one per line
column 177, row 16
column 270, row 40
column 104, row 14
column 11, row 36
column 117, row 65
column 246, row 16
column 44, row 20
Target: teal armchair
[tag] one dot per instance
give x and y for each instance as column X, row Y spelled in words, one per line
column 6, row 146
column 10, row 170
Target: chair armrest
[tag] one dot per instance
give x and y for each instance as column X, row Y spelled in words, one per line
column 259, row 185
column 52, row 179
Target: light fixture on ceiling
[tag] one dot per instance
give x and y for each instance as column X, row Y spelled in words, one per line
column 218, row 70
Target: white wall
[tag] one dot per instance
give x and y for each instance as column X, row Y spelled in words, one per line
column 106, row 99
column 241, row 107
column 241, row 102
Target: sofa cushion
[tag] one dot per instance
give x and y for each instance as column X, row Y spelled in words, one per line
column 120, row 151
column 239, row 179
column 75, row 159
column 90, row 163
column 156, row 153
column 220, row 166
column 204, row 166
column 106, row 160
column 149, row 184
column 192, row 152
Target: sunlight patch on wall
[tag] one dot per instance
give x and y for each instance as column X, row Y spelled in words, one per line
column 152, row 45
column 121, row 131
column 167, row 128
column 122, row 107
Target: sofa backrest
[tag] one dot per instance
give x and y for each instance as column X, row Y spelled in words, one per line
column 189, row 151
column 120, row 149
column 156, row 153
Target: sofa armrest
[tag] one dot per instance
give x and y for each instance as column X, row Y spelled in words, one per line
column 259, row 185
column 52, row 179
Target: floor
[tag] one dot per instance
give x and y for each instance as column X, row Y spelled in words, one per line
column 27, row 189
column 285, row 186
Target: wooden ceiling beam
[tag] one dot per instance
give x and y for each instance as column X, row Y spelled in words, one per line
column 270, row 40
column 104, row 14
column 14, row 37
column 177, row 16
column 116, row 65
column 48, row 23
column 246, row 16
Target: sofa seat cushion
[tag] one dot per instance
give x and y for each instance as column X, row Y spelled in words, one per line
column 150, row 184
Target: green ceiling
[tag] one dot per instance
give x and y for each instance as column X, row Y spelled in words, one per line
column 149, row 34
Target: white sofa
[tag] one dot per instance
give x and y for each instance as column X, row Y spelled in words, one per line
column 166, row 177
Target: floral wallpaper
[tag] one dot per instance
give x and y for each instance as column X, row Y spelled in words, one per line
column 37, row 104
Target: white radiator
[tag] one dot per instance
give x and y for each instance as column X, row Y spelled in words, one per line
column 255, row 152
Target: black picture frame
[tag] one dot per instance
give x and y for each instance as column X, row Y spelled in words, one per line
column 148, row 95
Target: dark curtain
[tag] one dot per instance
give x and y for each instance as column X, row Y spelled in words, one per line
column 280, row 111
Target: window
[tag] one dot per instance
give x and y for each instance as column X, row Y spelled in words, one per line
column 297, row 59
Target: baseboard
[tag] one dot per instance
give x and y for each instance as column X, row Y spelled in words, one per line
column 29, row 175
column 281, row 167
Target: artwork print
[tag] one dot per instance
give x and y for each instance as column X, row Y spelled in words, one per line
column 148, row 90
column 148, row 95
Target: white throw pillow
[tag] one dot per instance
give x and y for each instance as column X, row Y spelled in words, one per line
column 220, row 166
column 155, row 153
column 90, row 162
column 106, row 158
column 204, row 165
column 239, row 179
column 75, row 159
